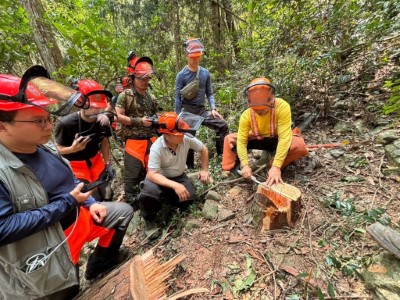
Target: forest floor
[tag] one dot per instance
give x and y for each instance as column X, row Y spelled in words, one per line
column 343, row 191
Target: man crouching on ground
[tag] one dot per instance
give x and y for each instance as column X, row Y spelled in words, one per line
column 166, row 179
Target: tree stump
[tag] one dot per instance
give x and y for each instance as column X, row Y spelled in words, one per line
column 276, row 207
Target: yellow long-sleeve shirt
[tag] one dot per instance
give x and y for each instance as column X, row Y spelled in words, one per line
column 283, row 131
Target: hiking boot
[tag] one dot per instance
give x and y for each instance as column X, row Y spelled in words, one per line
column 134, row 202
column 386, row 237
column 152, row 230
column 98, row 265
column 235, row 169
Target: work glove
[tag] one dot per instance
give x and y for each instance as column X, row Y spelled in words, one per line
column 103, row 120
column 110, row 171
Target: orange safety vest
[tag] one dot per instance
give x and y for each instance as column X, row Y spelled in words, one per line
column 272, row 123
column 82, row 170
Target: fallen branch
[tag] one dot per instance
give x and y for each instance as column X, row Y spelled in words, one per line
column 317, row 146
column 349, row 297
column 231, row 181
column 294, row 272
column 188, row 293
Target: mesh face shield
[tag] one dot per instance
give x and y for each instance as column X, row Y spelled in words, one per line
column 194, row 48
column 193, row 123
column 66, row 97
column 184, row 123
column 260, row 94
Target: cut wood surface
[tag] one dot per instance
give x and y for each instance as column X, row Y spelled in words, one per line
column 276, row 206
column 148, row 276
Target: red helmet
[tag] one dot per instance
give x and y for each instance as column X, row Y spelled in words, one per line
column 131, row 67
column 132, row 58
column 143, row 70
column 259, row 92
column 98, row 96
column 134, row 62
column 125, row 81
column 10, row 87
column 170, row 123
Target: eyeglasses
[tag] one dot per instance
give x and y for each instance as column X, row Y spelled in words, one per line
column 42, row 123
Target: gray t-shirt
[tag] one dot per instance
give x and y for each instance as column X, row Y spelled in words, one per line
column 161, row 159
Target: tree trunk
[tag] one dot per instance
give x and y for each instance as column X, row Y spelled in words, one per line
column 43, row 35
column 276, row 207
column 230, row 24
column 217, row 32
column 177, row 34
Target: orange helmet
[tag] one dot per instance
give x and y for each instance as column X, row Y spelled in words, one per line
column 132, row 58
column 143, row 67
column 125, row 81
column 194, row 47
column 98, row 97
column 170, row 123
column 11, row 97
column 259, row 92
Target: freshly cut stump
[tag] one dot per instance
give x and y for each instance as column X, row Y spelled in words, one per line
column 276, row 206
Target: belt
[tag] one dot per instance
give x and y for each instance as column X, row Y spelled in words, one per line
column 191, row 104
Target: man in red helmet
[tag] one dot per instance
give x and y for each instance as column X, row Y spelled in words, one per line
column 166, row 180
column 45, row 217
column 83, row 139
column 123, row 84
column 264, row 125
column 194, row 50
column 134, row 108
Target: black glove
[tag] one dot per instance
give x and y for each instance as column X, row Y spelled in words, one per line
column 110, row 171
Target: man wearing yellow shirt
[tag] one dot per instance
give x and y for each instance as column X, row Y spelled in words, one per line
column 264, row 125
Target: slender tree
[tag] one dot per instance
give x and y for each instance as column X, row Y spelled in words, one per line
column 43, row 35
column 177, row 34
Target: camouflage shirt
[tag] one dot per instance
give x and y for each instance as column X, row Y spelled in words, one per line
column 137, row 106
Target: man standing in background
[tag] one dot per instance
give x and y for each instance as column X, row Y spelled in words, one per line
column 194, row 50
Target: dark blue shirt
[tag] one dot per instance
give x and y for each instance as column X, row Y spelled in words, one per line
column 184, row 77
column 57, row 179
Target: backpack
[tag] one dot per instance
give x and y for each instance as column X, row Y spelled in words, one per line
column 190, row 90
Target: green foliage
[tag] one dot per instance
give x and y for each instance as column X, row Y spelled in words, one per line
column 344, row 207
column 15, row 41
column 393, row 105
column 244, row 282
column 359, row 162
column 306, row 47
column 373, row 215
column 92, row 49
column 347, row 265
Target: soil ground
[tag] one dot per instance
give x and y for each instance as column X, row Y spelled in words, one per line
column 321, row 255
